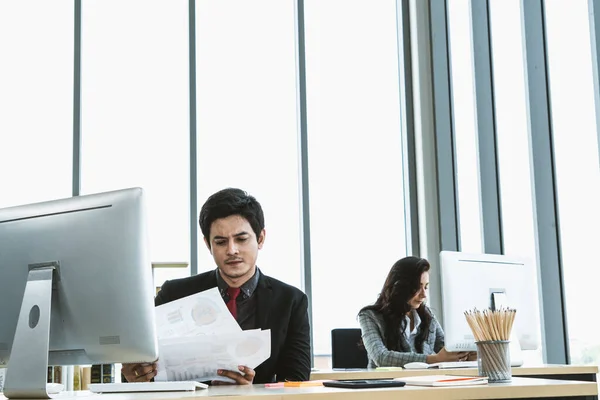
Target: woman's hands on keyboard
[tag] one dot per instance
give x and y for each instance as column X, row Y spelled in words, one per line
column 444, row 356
column 139, row 372
column 245, row 378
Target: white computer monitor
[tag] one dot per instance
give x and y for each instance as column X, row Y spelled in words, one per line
column 471, row 281
column 75, row 287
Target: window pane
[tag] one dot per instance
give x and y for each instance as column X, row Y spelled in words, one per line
column 512, row 136
column 36, row 101
column 135, row 111
column 247, row 129
column 463, row 98
column 577, row 171
column 355, row 157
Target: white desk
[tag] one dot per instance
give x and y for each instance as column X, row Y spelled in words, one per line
column 519, row 388
column 553, row 371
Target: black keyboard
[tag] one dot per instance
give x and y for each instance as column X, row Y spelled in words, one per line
column 364, row 383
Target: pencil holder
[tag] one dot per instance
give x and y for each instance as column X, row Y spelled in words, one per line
column 493, row 360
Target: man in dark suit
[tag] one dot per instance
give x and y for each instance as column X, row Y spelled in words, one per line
column 232, row 223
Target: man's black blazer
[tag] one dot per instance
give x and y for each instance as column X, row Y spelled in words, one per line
column 282, row 308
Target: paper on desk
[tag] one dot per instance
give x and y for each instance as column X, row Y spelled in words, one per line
column 202, row 313
column 198, row 358
column 443, row 380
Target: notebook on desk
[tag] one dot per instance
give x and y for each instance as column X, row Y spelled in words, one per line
column 441, row 365
column 454, row 364
column 444, row 380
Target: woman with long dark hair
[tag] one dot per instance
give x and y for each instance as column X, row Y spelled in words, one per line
column 399, row 328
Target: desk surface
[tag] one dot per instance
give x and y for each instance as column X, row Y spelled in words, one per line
column 549, row 369
column 518, row 388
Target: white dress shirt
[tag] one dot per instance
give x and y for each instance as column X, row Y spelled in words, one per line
column 411, row 335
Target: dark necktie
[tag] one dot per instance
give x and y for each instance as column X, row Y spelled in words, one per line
column 232, row 304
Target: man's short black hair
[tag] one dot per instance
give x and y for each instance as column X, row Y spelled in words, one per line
column 231, row 201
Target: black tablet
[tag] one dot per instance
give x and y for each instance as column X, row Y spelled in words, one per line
column 363, row 383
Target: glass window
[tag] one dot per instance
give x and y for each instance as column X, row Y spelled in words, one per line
column 577, row 171
column 247, row 126
column 135, row 120
column 465, row 133
column 355, row 158
column 512, row 135
column 36, row 101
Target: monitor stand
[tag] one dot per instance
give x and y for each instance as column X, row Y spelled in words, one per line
column 27, row 371
column 499, row 299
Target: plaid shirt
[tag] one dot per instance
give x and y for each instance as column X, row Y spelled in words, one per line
column 373, row 336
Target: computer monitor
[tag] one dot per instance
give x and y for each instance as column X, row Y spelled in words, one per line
column 75, row 287
column 485, row 281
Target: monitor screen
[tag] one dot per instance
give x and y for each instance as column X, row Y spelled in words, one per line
column 470, row 281
column 75, row 284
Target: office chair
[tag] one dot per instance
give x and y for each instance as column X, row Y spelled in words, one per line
column 347, row 349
